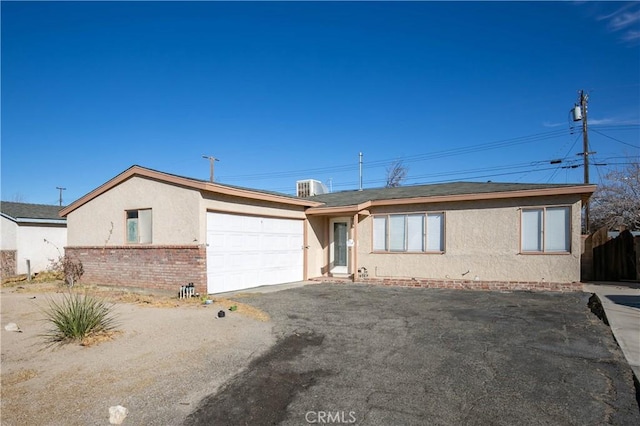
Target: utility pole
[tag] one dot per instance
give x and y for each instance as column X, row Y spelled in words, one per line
column 360, row 172
column 61, row 189
column 580, row 113
column 211, row 161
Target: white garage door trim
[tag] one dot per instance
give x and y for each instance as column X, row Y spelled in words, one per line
column 246, row 251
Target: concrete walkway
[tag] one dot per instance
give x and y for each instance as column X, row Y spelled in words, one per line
column 621, row 303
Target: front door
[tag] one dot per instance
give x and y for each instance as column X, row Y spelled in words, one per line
column 339, row 252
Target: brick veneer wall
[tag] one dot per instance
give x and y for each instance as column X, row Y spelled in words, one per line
column 148, row 267
column 8, row 263
column 467, row 284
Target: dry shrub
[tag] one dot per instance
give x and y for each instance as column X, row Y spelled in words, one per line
column 69, row 268
column 97, row 338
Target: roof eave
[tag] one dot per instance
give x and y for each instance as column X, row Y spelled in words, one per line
column 185, row 182
column 247, row 193
column 33, row 220
column 27, row 220
column 584, row 190
column 6, row 216
column 350, row 209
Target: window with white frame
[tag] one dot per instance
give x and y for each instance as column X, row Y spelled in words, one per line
column 139, row 226
column 411, row 233
column 546, row 230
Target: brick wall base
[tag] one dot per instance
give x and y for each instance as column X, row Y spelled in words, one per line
column 164, row 268
column 8, row 267
column 464, row 284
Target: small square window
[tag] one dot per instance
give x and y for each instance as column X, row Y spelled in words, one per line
column 139, row 226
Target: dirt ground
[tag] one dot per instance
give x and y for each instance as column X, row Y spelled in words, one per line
column 168, row 355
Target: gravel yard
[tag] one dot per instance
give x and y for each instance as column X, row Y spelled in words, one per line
column 161, row 364
column 361, row 354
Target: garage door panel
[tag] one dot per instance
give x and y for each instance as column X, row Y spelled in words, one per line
column 215, row 261
column 253, row 240
column 295, row 241
column 250, row 251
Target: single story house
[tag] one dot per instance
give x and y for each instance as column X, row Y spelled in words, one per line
column 146, row 228
column 33, row 235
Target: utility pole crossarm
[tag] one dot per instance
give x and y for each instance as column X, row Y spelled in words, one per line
column 211, row 161
column 60, row 189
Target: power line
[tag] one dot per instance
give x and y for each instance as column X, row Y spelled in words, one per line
column 565, row 157
column 630, row 126
column 617, row 140
column 458, row 174
column 407, row 159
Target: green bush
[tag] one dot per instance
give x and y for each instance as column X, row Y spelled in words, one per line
column 77, row 317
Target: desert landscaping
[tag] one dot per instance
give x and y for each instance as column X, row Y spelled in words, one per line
column 373, row 355
column 165, row 356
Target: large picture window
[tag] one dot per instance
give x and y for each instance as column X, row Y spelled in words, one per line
column 139, row 226
column 546, row 230
column 415, row 233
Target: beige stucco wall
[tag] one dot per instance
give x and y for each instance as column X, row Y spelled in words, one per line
column 482, row 239
column 317, row 251
column 101, row 221
column 178, row 213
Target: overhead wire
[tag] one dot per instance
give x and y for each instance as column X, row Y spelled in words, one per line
column 406, row 159
column 565, row 157
column 445, row 153
column 614, row 139
column 458, row 175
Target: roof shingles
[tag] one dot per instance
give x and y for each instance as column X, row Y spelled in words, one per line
column 349, row 198
column 30, row 211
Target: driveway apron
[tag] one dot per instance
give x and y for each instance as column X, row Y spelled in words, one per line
column 370, row 355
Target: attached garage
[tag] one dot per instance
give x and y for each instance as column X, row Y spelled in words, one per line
column 155, row 230
column 246, row 251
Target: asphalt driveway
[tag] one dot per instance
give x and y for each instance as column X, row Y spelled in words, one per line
column 368, row 355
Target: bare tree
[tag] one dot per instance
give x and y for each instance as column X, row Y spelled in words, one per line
column 396, row 174
column 617, row 200
column 18, row 197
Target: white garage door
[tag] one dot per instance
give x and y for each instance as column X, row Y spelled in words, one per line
column 250, row 251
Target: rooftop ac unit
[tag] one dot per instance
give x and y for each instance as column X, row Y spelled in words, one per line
column 310, row 187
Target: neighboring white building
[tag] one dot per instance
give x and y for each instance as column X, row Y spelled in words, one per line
column 33, row 232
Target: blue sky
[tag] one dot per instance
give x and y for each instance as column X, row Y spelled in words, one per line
column 283, row 91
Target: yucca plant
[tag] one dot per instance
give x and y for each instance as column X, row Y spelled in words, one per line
column 78, row 316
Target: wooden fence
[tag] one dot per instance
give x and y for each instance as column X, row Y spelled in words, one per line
column 614, row 259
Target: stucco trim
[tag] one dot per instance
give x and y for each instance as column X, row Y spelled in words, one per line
column 342, row 210
column 187, row 183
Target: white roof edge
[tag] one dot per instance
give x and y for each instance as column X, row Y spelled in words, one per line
column 43, row 221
